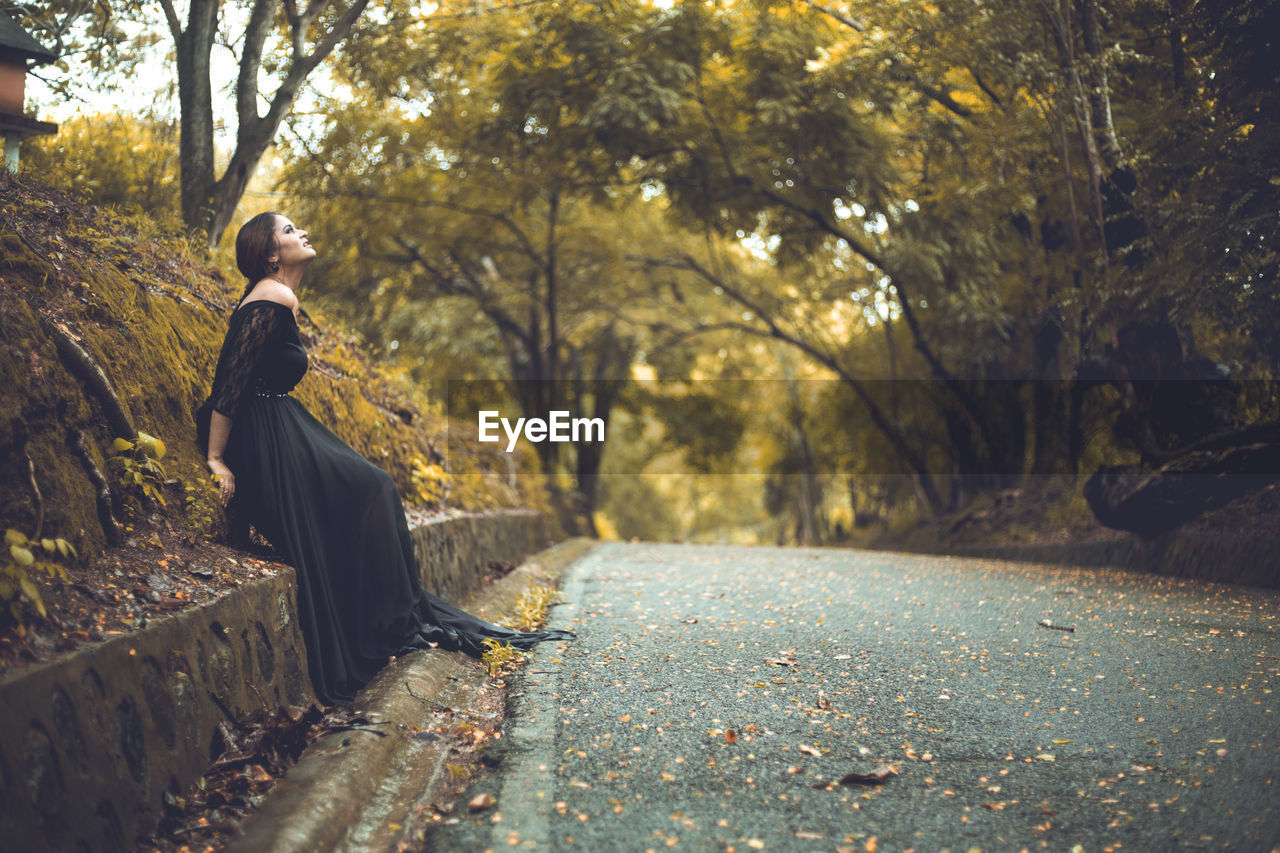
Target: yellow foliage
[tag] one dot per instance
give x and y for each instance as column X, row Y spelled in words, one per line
column 502, row 658
column 531, row 608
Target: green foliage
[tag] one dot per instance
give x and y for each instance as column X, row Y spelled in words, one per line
column 137, row 465
column 16, row 585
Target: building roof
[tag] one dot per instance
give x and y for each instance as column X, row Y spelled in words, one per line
column 16, row 126
column 14, row 39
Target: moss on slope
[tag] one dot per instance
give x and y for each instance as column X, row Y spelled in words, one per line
column 151, row 310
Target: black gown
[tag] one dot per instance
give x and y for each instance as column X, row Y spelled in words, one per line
column 333, row 515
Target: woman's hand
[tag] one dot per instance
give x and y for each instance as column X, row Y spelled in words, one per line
column 226, row 480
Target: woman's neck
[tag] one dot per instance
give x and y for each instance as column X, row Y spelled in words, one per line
column 290, row 276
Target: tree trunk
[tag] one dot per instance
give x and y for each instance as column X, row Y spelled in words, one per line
column 195, row 101
column 1050, row 423
column 1208, row 475
column 208, row 203
column 1177, row 52
column 229, row 189
column 1099, row 87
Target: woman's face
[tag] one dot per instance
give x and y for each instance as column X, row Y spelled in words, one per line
column 292, row 246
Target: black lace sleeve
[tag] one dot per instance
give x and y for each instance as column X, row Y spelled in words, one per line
column 252, row 331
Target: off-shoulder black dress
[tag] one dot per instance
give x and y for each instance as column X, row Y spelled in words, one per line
column 332, row 514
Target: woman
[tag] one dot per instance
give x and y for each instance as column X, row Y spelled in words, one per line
column 333, row 515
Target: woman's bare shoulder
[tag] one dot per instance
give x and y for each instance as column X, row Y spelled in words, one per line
column 272, row 291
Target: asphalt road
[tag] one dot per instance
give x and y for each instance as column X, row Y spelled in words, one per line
column 716, row 697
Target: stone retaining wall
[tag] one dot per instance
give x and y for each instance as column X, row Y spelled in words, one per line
column 89, row 744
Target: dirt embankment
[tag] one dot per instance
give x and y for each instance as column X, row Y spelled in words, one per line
column 112, row 328
column 1047, row 520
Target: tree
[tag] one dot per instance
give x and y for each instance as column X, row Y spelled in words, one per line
column 443, row 194
column 273, row 39
column 988, row 178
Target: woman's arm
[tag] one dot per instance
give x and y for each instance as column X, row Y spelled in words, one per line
column 252, row 330
column 219, row 430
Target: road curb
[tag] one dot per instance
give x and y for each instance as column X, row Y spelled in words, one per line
column 355, row 790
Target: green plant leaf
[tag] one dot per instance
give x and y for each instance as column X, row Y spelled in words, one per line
column 122, row 444
column 13, row 537
column 32, row 592
column 21, row 555
column 49, row 545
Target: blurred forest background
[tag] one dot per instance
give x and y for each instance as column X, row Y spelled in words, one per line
column 826, row 268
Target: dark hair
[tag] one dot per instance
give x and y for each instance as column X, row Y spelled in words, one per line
column 255, row 242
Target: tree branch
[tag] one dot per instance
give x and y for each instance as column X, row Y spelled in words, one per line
column 102, row 490
column 255, row 38
column 35, row 494
column 773, row 330
column 171, row 18
column 85, row 367
column 449, row 286
column 986, row 90
column 913, row 76
column 337, row 34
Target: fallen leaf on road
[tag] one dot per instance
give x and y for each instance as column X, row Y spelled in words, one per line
column 995, row 807
column 480, row 802
column 782, row 661
column 809, row 750
column 875, row 777
column 809, row 836
column 731, row 736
